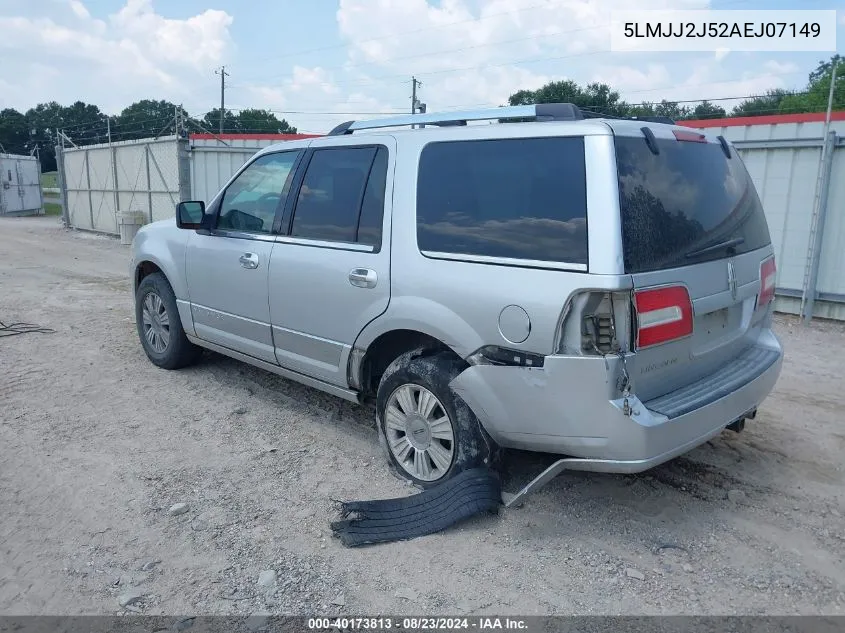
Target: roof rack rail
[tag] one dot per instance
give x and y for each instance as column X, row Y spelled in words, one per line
column 647, row 119
column 538, row 112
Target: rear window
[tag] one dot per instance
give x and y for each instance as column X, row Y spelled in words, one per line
column 508, row 198
column 686, row 198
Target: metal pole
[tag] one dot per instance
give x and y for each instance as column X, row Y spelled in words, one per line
column 825, row 165
column 413, row 95
column 113, row 157
column 414, row 83
column 149, row 181
column 88, row 184
column 816, row 254
column 830, row 97
column 223, row 74
column 62, row 182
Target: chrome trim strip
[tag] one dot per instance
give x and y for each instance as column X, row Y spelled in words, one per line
column 315, row 383
column 338, row 246
column 307, row 348
column 227, row 314
column 241, row 235
column 505, row 261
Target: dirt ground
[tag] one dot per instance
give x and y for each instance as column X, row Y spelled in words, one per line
column 96, row 444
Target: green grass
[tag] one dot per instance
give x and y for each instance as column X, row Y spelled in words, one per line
column 52, row 208
column 49, row 179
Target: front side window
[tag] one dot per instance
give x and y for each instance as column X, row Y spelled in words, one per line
column 342, row 196
column 250, row 202
column 509, row 198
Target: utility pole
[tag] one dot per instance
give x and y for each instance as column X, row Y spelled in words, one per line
column 223, row 74
column 414, row 101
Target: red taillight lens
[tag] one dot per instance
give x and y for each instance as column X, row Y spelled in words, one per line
column 663, row 314
column 768, row 273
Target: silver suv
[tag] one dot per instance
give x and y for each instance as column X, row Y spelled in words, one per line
column 520, row 277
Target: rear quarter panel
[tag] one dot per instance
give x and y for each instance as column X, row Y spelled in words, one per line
column 459, row 302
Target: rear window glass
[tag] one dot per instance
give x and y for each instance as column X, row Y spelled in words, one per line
column 510, row 198
column 688, row 197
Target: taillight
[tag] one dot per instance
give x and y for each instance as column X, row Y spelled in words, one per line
column 663, row 314
column 768, row 272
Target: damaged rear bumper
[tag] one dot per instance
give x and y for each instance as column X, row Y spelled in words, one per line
column 572, row 406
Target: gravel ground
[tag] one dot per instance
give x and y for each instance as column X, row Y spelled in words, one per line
column 97, row 445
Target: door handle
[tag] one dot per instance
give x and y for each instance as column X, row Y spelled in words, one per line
column 363, row 277
column 249, row 260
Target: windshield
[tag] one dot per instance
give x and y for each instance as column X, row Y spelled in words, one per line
column 687, row 198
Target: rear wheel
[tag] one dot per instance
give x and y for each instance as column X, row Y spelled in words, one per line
column 427, row 430
column 159, row 325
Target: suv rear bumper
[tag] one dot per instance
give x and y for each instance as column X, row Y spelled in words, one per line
column 572, row 407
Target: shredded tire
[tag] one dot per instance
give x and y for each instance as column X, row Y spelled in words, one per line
column 466, row 494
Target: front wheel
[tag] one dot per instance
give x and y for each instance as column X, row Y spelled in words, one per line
column 159, row 325
column 427, row 430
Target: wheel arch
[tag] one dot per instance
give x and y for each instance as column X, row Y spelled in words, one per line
column 148, row 264
column 399, row 331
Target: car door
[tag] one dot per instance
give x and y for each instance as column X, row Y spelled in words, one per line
column 227, row 266
column 330, row 270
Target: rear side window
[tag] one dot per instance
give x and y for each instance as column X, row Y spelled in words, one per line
column 507, row 198
column 686, row 198
column 342, row 196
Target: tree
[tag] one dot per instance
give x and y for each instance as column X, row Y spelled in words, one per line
column 814, row 98
column 595, row 97
column 768, row 103
column 14, row 132
column 145, row 119
column 82, row 122
column 211, row 121
column 672, row 110
column 707, row 110
column 262, row 121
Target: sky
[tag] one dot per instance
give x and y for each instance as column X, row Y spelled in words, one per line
column 321, row 62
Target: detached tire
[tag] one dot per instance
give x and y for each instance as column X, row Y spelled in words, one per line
column 428, row 432
column 159, row 325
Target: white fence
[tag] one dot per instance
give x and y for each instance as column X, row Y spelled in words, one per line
column 20, row 185
column 99, row 182
column 783, row 155
column 213, row 161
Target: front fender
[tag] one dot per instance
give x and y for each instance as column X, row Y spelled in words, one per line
column 426, row 316
column 164, row 245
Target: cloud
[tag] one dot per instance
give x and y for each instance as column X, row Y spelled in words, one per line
column 136, row 53
column 467, row 53
column 481, row 57
column 629, row 78
column 79, row 9
column 780, row 68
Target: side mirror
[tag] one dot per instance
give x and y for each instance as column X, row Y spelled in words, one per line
column 189, row 215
